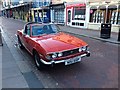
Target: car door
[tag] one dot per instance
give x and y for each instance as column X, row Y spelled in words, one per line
column 26, row 36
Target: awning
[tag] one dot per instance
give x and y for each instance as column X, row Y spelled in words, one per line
column 102, row 7
column 93, row 7
column 112, row 7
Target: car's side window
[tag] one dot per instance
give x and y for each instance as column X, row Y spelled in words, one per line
column 27, row 30
column 45, row 27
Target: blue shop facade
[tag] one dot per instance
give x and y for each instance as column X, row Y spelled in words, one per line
column 41, row 11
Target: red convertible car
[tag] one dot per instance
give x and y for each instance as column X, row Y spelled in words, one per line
column 50, row 46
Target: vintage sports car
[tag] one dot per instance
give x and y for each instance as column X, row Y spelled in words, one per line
column 50, row 46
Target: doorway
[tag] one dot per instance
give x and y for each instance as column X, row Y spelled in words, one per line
column 69, row 17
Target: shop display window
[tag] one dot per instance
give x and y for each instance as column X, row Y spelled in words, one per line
column 59, row 16
column 79, row 13
column 118, row 20
column 98, row 16
column 115, row 17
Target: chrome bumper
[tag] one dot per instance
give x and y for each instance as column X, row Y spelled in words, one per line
column 61, row 61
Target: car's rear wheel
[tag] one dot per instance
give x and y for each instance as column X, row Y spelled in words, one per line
column 20, row 43
column 38, row 62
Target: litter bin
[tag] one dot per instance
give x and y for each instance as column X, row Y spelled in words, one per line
column 105, row 30
column 1, row 43
column 119, row 35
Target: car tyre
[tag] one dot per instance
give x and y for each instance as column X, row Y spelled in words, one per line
column 38, row 63
column 20, row 43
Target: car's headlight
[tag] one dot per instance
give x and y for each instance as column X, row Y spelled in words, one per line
column 54, row 55
column 60, row 54
column 84, row 48
column 80, row 50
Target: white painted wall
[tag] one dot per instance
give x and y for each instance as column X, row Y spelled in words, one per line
column 87, row 16
column 52, row 15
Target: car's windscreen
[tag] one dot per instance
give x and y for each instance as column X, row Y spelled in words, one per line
column 44, row 29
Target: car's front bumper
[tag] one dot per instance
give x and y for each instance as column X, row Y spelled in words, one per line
column 61, row 61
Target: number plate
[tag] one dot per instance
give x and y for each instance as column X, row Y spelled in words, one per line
column 72, row 60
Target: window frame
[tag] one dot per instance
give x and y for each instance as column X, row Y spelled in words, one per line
column 26, row 30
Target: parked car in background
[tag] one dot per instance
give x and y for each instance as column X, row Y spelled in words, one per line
column 50, row 46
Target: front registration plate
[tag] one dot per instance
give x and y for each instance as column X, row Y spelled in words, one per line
column 72, row 60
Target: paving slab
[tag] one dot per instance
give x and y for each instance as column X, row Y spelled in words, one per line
column 24, row 66
column 14, row 82
column 11, row 74
column 32, row 80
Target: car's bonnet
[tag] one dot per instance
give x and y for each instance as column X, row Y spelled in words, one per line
column 60, row 42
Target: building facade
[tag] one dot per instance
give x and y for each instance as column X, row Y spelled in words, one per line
column 76, row 15
column 27, row 10
column 58, row 13
column 104, row 12
column 41, row 10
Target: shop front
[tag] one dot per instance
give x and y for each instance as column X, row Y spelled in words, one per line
column 58, row 13
column 76, row 15
column 41, row 15
column 105, row 13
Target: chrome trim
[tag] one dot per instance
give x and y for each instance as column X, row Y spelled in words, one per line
column 60, row 61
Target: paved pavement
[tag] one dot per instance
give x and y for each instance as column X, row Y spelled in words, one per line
column 16, row 73
column 11, row 75
column 95, row 34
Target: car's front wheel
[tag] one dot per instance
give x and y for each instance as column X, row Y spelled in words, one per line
column 38, row 62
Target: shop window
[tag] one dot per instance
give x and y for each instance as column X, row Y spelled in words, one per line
column 115, row 17
column 98, row 16
column 118, row 20
column 79, row 13
column 59, row 16
column 94, row 18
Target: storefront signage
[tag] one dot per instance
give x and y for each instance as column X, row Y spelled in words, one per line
column 58, row 7
column 75, row 5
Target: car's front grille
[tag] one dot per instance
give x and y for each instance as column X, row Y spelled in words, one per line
column 70, row 52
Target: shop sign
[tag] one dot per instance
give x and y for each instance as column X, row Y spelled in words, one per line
column 75, row 5
column 58, row 7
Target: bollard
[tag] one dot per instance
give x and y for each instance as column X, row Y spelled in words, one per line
column 119, row 35
column 1, row 43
